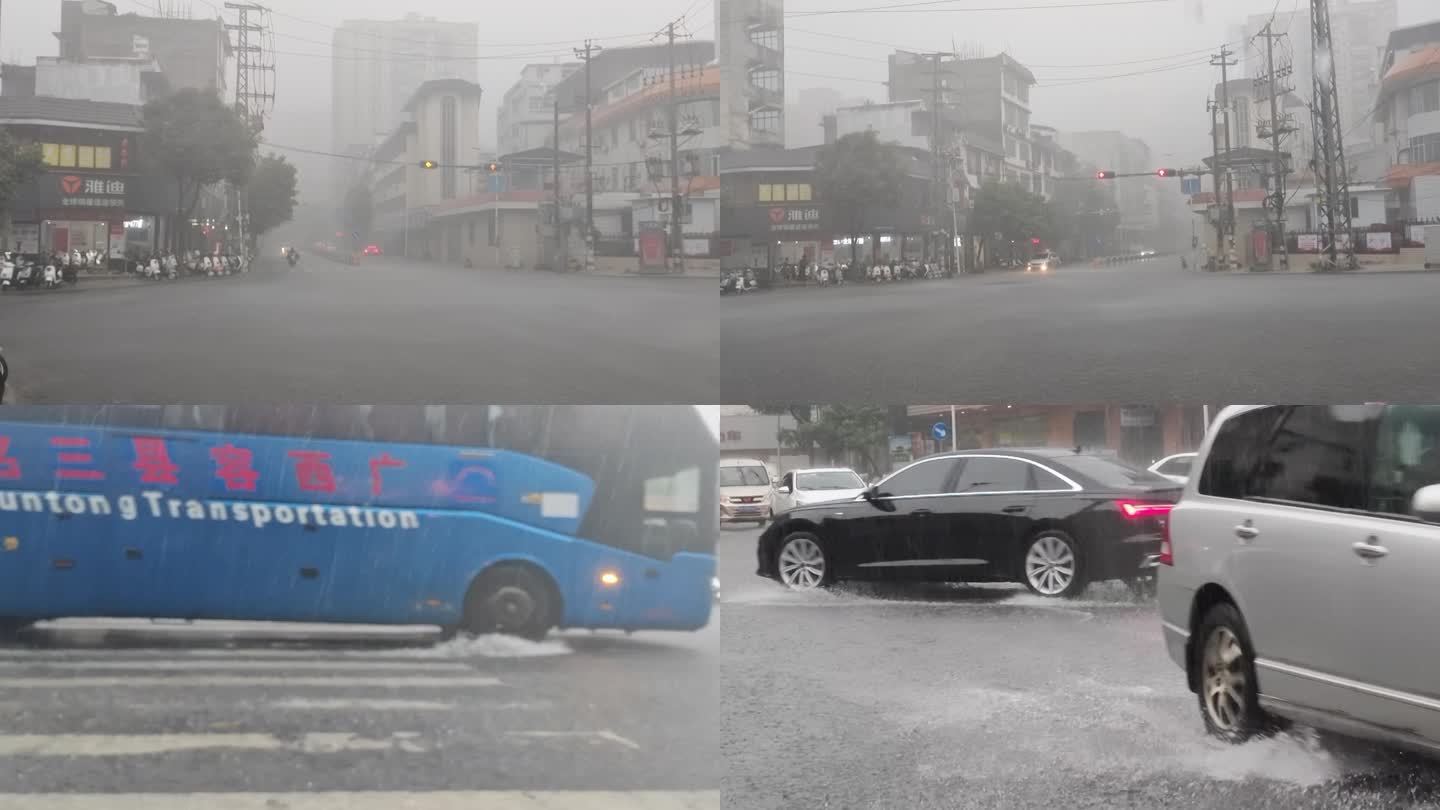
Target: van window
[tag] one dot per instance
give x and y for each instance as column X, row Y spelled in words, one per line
column 1407, row 457
column 1314, row 457
column 1236, row 451
column 754, row 476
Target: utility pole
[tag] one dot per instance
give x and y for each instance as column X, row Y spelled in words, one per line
column 677, row 234
column 1224, row 61
column 1214, row 109
column 935, row 144
column 587, row 53
column 1276, row 128
column 1328, row 163
column 558, row 260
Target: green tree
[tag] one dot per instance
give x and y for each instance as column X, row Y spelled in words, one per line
column 836, row 429
column 1086, row 214
column 359, row 210
column 270, row 194
column 1012, row 212
column 197, row 140
column 855, row 176
column 19, row 163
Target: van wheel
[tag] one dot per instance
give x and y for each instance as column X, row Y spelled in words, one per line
column 1228, row 693
column 1052, row 565
column 511, row 599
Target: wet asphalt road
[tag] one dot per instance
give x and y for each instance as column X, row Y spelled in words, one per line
column 1143, row 332
column 386, row 331
column 947, row 697
column 267, row 712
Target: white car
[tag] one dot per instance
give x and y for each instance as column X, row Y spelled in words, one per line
column 1176, row 467
column 820, row 485
column 1043, row 263
column 746, row 491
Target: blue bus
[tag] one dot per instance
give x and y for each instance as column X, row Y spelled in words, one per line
column 475, row 518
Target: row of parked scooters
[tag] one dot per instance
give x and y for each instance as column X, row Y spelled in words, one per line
column 169, row 267
column 36, row 271
column 829, row 274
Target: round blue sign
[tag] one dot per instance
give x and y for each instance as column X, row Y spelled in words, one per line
column 941, row 430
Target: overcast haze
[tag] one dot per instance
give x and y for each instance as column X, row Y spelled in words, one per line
column 1069, row 49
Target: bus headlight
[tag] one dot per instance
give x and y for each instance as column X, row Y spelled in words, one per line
column 715, row 587
column 609, row 579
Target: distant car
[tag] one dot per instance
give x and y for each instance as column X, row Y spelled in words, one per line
column 1297, row 578
column 805, row 487
column 746, row 491
column 1176, row 467
column 1043, row 263
column 1052, row 519
column 373, row 250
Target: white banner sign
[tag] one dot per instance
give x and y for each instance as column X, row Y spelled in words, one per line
column 1379, row 240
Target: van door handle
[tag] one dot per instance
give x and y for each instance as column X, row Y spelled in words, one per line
column 1246, row 532
column 1370, row 549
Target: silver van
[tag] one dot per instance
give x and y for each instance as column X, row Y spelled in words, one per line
column 1300, row 578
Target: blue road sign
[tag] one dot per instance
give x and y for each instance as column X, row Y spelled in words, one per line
column 940, row 430
column 1190, row 185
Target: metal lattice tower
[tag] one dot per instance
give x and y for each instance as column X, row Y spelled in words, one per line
column 254, row 66
column 1332, row 186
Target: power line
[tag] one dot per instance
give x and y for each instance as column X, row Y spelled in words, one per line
column 930, row 6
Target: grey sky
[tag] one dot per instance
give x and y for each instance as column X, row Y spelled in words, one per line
column 1066, row 48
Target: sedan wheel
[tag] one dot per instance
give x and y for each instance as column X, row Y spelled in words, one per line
column 1052, row 565
column 801, row 562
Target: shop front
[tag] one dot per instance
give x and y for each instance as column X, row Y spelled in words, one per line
column 64, row 211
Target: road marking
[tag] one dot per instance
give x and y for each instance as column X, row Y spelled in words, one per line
column 110, row 745
column 436, row 800
column 233, row 626
column 359, row 704
column 89, row 682
column 281, row 665
column 603, row 736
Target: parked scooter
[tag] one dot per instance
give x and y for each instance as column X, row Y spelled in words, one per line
column 25, row 273
column 7, row 271
column 293, row 257
column 50, row 278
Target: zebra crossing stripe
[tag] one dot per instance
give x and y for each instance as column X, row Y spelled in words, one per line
column 213, row 681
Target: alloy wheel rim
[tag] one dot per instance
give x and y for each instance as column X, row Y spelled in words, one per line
column 1050, row 565
column 1223, row 680
column 802, row 564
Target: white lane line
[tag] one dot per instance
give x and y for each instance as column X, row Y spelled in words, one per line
column 111, row 745
column 420, row 654
column 604, row 735
column 278, row 665
column 380, row 800
column 90, row 682
column 357, row 704
column 229, row 626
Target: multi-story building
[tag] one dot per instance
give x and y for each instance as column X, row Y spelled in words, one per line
column 988, row 96
column 525, row 118
column 631, row 170
column 191, row 53
column 750, row 50
column 377, row 65
column 1358, row 30
column 807, row 112
column 440, row 122
column 1136, row 196
column 1407, row 109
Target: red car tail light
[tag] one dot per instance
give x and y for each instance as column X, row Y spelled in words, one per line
column 1138, row 509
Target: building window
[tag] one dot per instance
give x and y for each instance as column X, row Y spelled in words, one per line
column 783, row 192
column 766, row 79
column 1425, row 149
column 67, row 154
column 767, row 38
column 1425, row 97
column 765, row 121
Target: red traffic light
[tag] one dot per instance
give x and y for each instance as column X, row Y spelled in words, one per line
column 1104, row 175
column 1167, row 172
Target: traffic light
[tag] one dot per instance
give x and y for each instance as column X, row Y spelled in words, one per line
column 1034, row 241
column 1167, row 172
column 1104, row 175
column 428, row 164
column 493, row 168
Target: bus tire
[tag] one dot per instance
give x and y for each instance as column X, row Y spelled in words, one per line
column 516, row 600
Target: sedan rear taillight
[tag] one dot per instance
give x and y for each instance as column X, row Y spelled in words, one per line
column 1138, row 509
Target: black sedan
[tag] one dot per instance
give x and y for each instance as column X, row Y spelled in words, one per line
column 1053, row 519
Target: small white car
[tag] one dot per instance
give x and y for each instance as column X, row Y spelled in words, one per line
column 1043, row 263
column 819, row 485
column 1176, row 467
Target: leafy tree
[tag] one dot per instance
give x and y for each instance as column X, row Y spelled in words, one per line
column 1011, row 211
column 196, row 139
column 19, row 163
column 836, row 429
column 359, row 210
column 855, row 176
column 1085, row 209
column 270, row 195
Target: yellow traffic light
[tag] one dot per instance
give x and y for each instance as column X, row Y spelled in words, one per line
column 494, row 168
column 428, row 164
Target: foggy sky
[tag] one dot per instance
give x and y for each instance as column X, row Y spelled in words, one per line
column 1066, row 48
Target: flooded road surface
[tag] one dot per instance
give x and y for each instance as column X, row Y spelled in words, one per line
column 988, row 697
column 235, row 716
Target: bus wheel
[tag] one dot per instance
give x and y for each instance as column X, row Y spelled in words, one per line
column 513, row 600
